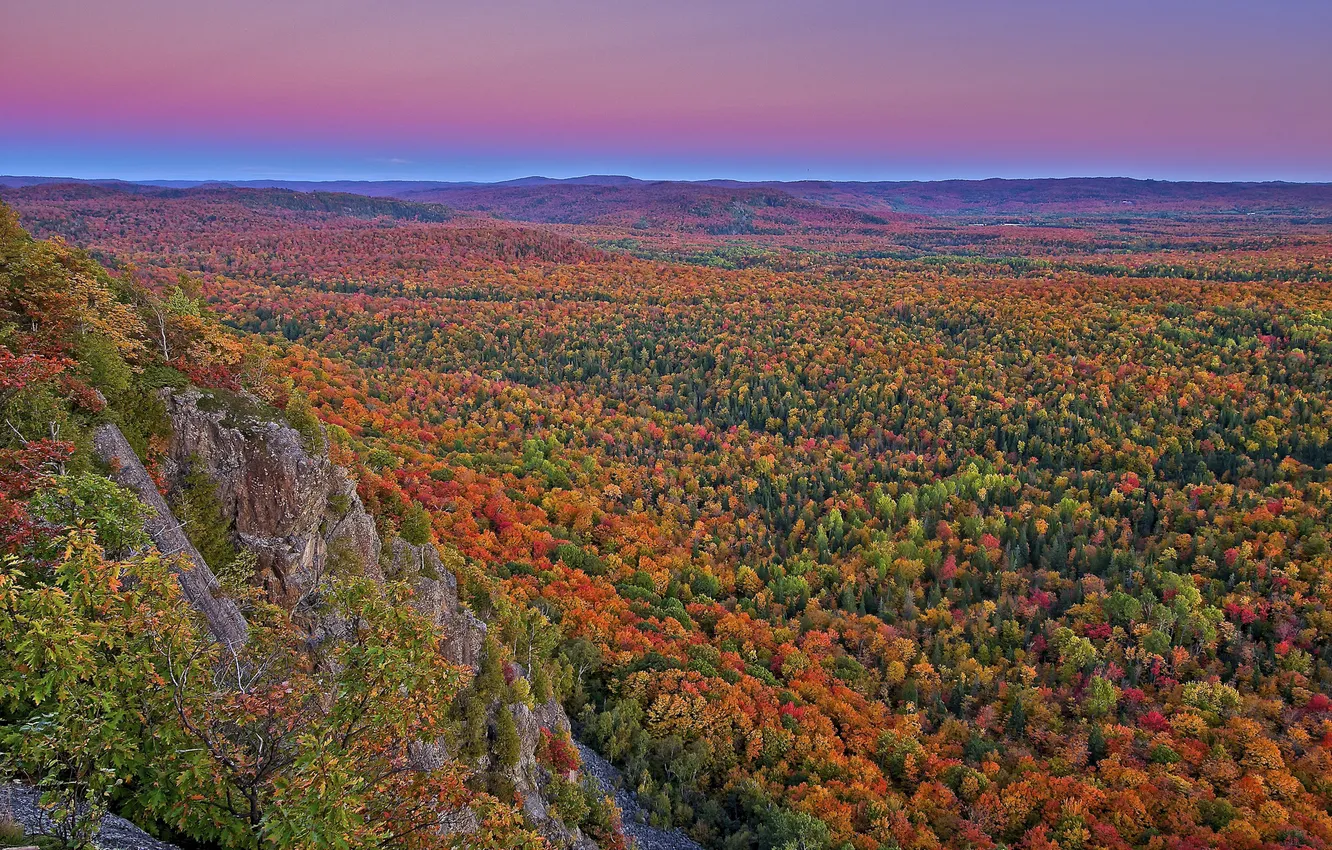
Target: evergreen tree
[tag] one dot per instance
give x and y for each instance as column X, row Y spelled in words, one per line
column 1017, row 721
column 200, row 512
column 508, row 748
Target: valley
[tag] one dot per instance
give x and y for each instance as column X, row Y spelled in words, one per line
column 833, row 515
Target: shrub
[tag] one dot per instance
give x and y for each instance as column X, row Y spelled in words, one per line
column 415, row 527
column 200, row 512
column 93, row 501
column 300, row 416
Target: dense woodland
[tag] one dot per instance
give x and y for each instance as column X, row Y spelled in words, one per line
column 889, row 533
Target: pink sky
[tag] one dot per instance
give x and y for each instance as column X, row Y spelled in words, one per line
column 415, row 88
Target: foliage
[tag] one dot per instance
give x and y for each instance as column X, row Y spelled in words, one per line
column 507, row 745
column 197, row 506
column 80, row 666
column 111, row 695
column 935, row 535
column 415, row 528
column 300, row 417
column 95, row 502
column 314, row 752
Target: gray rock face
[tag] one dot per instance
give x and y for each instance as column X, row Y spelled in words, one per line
column 530, row 778
column 196, row 580
column 436, row 597
column 116, row 833
column 458, row 822
column 297, row 512
column 301, row 516
column 550, row 715
column 636, row 830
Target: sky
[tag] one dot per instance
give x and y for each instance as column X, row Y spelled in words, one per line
column 686, row 89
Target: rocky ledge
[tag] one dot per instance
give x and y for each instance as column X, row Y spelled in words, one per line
column 640, row 835
column 301, row 516
column 291, row 506
column 116, row 833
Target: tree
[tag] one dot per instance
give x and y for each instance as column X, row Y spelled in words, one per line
column 315, row 751
column 541, row 688
column 789, row 829
column 64, row 292
column 508, row 746
column 200, row 512
column 94, row 502
column 415, row 527
column 81, row 675
column 1017, row 720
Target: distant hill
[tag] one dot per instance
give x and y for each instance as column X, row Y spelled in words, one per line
column 698, row 207
column 588, row 180
column 604, row 201
column 316, row 203
column 369, row 188
column 623, row 200
column 1066, row 195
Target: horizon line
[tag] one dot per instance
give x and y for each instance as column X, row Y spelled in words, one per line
column 201, row 181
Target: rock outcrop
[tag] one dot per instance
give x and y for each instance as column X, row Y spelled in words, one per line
column 640, row 834
column 550, row 715
column 301, row 516
column 196, row 579
column 436, row 596
column 297, row 511
column 530, row 778
column 115, row 833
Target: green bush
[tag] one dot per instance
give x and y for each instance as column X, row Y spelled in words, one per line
column 200, row 511
column 82, row 707
column 508, row 747
column 569, row 801
column 300, row 416
column 142, row 416
column 11, row 833
column 37, row 412
column 91, row 501
column 238, row 574
column 415, row 527
column 101, row 365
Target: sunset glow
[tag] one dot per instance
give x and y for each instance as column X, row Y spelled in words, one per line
column 489, row 90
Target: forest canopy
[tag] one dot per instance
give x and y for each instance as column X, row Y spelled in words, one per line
column 904, row 533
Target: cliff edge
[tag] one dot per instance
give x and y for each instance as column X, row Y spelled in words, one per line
column 282, row 499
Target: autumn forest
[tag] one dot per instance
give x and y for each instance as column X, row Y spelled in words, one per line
column 837, row 516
